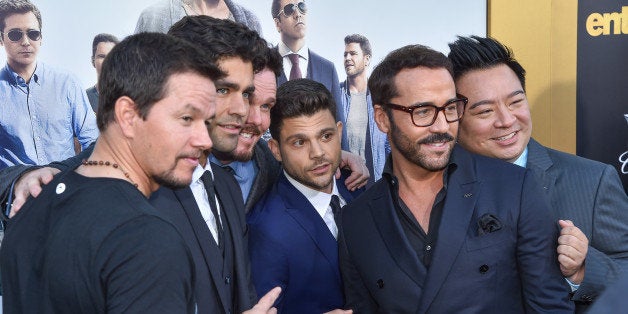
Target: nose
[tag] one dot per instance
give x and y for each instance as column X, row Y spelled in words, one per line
column 505, row 117
column 347, row 57
column 240, row 107
column 440, row 125
column 316, row 150
column 200, row 138
column 24, row 41
column 255, row 115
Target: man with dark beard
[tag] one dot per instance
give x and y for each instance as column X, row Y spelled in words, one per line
column 444, row 231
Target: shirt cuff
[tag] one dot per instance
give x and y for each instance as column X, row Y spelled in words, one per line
column 572, row 285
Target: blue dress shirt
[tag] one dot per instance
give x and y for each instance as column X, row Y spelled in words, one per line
column 244, row 173
column 39, row 119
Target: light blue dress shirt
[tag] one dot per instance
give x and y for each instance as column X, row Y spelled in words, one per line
column 39, row 120
column 245, row 173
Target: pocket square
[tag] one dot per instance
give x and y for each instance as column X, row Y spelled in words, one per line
column 488, row 223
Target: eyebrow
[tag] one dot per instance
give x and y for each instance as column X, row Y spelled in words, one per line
column 487, row 102
column 301, row 135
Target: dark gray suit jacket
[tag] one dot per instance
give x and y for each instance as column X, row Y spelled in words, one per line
column 591, row 195
column 269, row 171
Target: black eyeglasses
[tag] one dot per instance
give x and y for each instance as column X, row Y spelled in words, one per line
column 290, row 8
column 16, row 35
column 425, row 114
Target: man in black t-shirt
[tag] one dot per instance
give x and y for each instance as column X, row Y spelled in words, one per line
column 92, row 243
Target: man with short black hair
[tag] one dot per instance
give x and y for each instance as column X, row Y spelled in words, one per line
column 592, row 248
column 158, row 95
column 43, row 109
column 293, row 228
column 101, row 46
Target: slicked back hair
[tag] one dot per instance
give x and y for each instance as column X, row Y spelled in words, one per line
column 102, row 38
column 222, row 39
column 300, row 97
column 365, row 45
column 477, row 53
column 10, row 7
column 382, row 80
column 140, row 66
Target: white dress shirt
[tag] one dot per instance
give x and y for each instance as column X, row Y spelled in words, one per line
column 303, row 53
column 320, row 201
column 201, row 197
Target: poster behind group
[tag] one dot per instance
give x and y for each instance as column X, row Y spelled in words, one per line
column 70, row 25
column 602, row 96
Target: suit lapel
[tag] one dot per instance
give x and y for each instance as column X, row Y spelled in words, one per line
column 540, row 163
column 211, row 254
column 390, row 230
column 462, row 193
column 300, row 209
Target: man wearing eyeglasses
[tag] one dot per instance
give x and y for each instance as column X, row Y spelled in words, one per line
column 299, row 61
column 444, row 230
column 42, row 109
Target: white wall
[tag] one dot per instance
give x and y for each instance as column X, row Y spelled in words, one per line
column 69, row 26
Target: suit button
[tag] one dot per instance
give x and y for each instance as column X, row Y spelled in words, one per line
column 227, row 280
column 380, row 283
column 483, row 269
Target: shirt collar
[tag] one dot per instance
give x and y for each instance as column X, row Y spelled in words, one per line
column 14, row 78
column 200, row 170
column 284, row 50
column 523, row 159
column 319, row 200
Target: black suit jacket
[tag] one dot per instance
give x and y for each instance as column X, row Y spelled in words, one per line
column 269, row 172
column 210, row 289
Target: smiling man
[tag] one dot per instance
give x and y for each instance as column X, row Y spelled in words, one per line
column 42, row 109
column 586, row 196
column 158, row 95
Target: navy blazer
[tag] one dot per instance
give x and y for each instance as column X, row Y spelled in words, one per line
column 591, row 195
column 321, row 70
column 290, row 246
column 510, row 270
column 180, row 207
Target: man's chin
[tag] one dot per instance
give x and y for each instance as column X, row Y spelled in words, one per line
column 242, row 155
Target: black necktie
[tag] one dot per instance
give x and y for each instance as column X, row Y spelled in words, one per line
column 335, row 208
column 229, row 169
column 211, row 197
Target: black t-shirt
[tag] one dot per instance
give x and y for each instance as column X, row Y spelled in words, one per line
column 94, row 245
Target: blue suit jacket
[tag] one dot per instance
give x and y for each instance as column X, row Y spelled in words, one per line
column 510, row 270
column 591, row 195
column 290, row 246
column 321, row 70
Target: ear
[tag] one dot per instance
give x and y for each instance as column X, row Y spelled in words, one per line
column 274, row 148
column 126, row 115
column 367, row 62
column 93, row 63
column 339, row 126
column 381, row 118
column 277, row 24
